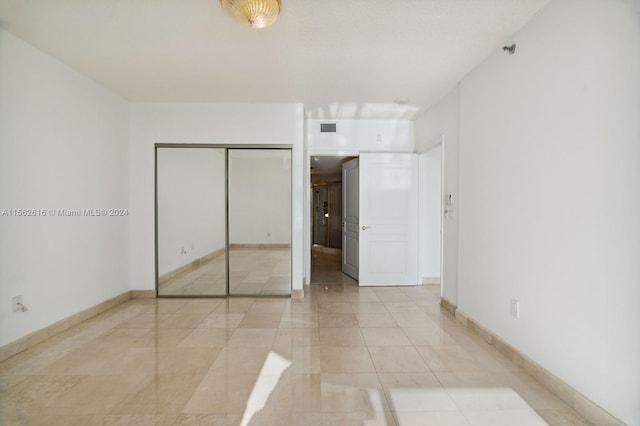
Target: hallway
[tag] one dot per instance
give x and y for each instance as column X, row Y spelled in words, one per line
column 374, row 356
column 326, row 267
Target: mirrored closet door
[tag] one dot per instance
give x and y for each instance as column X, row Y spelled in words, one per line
column 223, row 221
column 191, row 219
column 259, row 221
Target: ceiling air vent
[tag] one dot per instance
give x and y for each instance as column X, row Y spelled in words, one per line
column 327, row 127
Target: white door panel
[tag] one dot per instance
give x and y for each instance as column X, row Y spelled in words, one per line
column 388, row 216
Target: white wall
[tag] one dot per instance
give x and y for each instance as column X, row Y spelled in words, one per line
column 260, row 197
column 63, row 145
column 191, row 205
column 360, row 136
column 205, row 123
column 550, row 197
column 443, row 119
column 430, row 216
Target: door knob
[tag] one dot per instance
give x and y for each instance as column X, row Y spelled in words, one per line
column 364, row 227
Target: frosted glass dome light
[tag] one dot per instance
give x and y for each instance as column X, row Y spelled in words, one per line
column 253, row 13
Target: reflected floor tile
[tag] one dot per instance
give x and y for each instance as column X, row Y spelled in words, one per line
column 288, row 337
column 188, row 419
column 389, row 359
column 304, row 360
column 335, row 307
column 391, row 295
column 347, row 360
column 146, row 320
column 486, row 398
column 384, row 418
column 381, row 319
column 301, row 306
column 200, row 306
column 295, row 394
column 327, row 320
column 180, row 320
column 235, row 306
column 218, row 320
column 99, row 394
column 408, row 392
column 299, row 321
column 415, row 318
column 362, row 307
column 253, row 320
column 431, row 418
column 353, row 393
column 233, row 360
column 253, row 337
column 82, row 362
column 522, row 417
column 449, row 359
column 341, row 337
column 135, row 419
column 431, row 335
column 40, row 390
column 385, row 337
column 186, row 360
column 163, row 394
column 268, row 307
column 169, row 306
column 206, row 337
column 36, row 419
column 162, row 339
column 364, row 295
column 221, row 394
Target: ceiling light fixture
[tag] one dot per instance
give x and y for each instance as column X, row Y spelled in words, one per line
column 253, row 13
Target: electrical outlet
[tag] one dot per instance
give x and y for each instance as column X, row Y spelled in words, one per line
column 515, row 308
column 17, row 303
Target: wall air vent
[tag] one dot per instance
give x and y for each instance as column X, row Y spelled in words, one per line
column 327, row 127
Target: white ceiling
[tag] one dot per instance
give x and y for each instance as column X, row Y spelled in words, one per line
column 340, row 58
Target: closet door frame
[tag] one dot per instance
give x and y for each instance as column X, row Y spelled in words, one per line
column 226, row 147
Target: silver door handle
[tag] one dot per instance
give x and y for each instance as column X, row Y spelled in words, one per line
column 365, row 227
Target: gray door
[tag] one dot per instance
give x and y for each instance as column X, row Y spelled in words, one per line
column 350, row 218
column 335, row 215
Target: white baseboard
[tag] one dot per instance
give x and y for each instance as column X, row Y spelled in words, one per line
column 583, row 405
column 33, row 338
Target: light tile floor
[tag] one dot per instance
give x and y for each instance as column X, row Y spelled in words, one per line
column 253, row 271
column 326, row 267
column 358, row 356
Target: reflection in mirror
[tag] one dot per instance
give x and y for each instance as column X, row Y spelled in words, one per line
column 260, row 221
column 191, row 221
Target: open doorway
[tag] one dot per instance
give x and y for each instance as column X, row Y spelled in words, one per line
column 326, row 220
column 434, row 209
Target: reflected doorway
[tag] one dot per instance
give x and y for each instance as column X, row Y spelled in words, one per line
column 327, row 222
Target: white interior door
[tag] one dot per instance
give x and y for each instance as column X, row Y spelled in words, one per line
column 388, row 240
column 350, row 218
